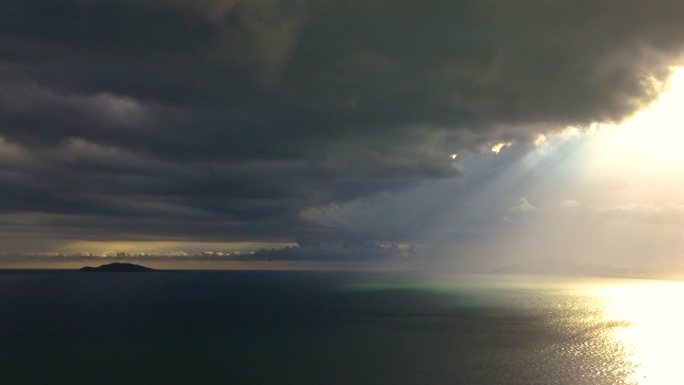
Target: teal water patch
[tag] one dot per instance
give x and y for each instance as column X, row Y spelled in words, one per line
column 454, row 293
column 370, row 287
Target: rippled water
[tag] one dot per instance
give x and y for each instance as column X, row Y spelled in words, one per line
column 336, row 328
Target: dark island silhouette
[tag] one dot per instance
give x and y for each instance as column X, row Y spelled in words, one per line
column 118, row 268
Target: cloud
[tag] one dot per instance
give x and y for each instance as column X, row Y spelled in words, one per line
column 522, row 207
column 406, row 214
column 101, row 108
column 335, row 252
column 284, row 119
column 466, row 68
column 570, row 204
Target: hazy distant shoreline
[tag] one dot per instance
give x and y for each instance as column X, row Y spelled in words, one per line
column 567, row 268
column 532, row 268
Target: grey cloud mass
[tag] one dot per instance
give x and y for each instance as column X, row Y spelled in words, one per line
column 264, row 120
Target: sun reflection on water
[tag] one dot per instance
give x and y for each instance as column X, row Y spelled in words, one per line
column 653, row 317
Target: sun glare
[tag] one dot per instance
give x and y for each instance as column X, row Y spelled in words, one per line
column 653, row 329
column 651, row 140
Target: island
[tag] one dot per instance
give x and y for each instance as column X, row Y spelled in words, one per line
column 118, row 268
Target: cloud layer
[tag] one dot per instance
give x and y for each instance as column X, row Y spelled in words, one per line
column 221, row 120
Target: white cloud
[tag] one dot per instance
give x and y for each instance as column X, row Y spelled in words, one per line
column 570, row 204
column 522, row 207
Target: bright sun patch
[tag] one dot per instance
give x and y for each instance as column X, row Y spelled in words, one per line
column 652, row 140
column 497, row 147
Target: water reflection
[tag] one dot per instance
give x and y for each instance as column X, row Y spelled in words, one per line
column 652, row 321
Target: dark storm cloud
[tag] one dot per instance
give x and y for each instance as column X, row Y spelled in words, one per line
column 233, row 116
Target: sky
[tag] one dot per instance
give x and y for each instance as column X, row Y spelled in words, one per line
column 460, row 135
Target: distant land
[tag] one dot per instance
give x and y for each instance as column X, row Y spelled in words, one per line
column 567, row 268
column 118, row 268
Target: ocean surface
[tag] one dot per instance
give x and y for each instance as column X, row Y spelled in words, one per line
column 241, row 327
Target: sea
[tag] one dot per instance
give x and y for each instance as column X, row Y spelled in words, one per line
column 313, row 327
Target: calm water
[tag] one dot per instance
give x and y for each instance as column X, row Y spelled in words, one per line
column 336, row 328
